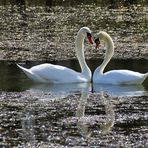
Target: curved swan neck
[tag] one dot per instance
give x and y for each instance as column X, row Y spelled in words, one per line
column 80, row 54
column 109, row 45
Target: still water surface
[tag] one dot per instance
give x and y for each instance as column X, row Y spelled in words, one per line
column 77, row 115
column 56, row 115
column 13, row 79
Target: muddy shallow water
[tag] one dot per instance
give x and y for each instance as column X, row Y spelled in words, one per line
column 48, row 33
column 75, row 115
column 72, row 115
column 82, row 119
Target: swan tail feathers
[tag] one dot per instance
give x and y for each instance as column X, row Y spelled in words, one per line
column 146, row 74
column 26, row 71
column 31, row 75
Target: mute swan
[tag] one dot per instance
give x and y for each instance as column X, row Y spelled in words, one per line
column 49, row 73
column 115, row 77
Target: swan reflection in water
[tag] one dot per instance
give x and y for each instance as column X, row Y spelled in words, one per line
column 84, row 121
column 43, row 93
column 28, row 123
column 53, row 91
column 46, row 92
column 110, row 114
column 121, row 90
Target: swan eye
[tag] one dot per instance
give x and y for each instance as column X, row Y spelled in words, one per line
column 97, row 41
column 89, row 36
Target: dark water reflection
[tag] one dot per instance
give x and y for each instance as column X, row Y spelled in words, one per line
column 81, row 115
column 85, row 115
column 81, row 119
column 13, row 79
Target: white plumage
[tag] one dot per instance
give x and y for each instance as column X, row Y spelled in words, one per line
column 49, row 73
column 115, row 77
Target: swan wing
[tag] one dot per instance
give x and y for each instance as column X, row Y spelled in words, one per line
column 123, row 77
column 49, row 73
column 30, row 74
column 114, row 76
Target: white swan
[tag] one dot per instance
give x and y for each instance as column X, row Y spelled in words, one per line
column 115, row 77
column 49, row 73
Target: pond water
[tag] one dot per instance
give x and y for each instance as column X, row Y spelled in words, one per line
column 45, row 32
column 13, row 79
column 61, row 115
column 71, row 115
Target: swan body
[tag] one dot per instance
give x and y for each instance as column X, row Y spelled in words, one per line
column 115, row 77
column 49, row 73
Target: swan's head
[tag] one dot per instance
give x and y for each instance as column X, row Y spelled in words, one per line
column 102, row 37
column 86, row 32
